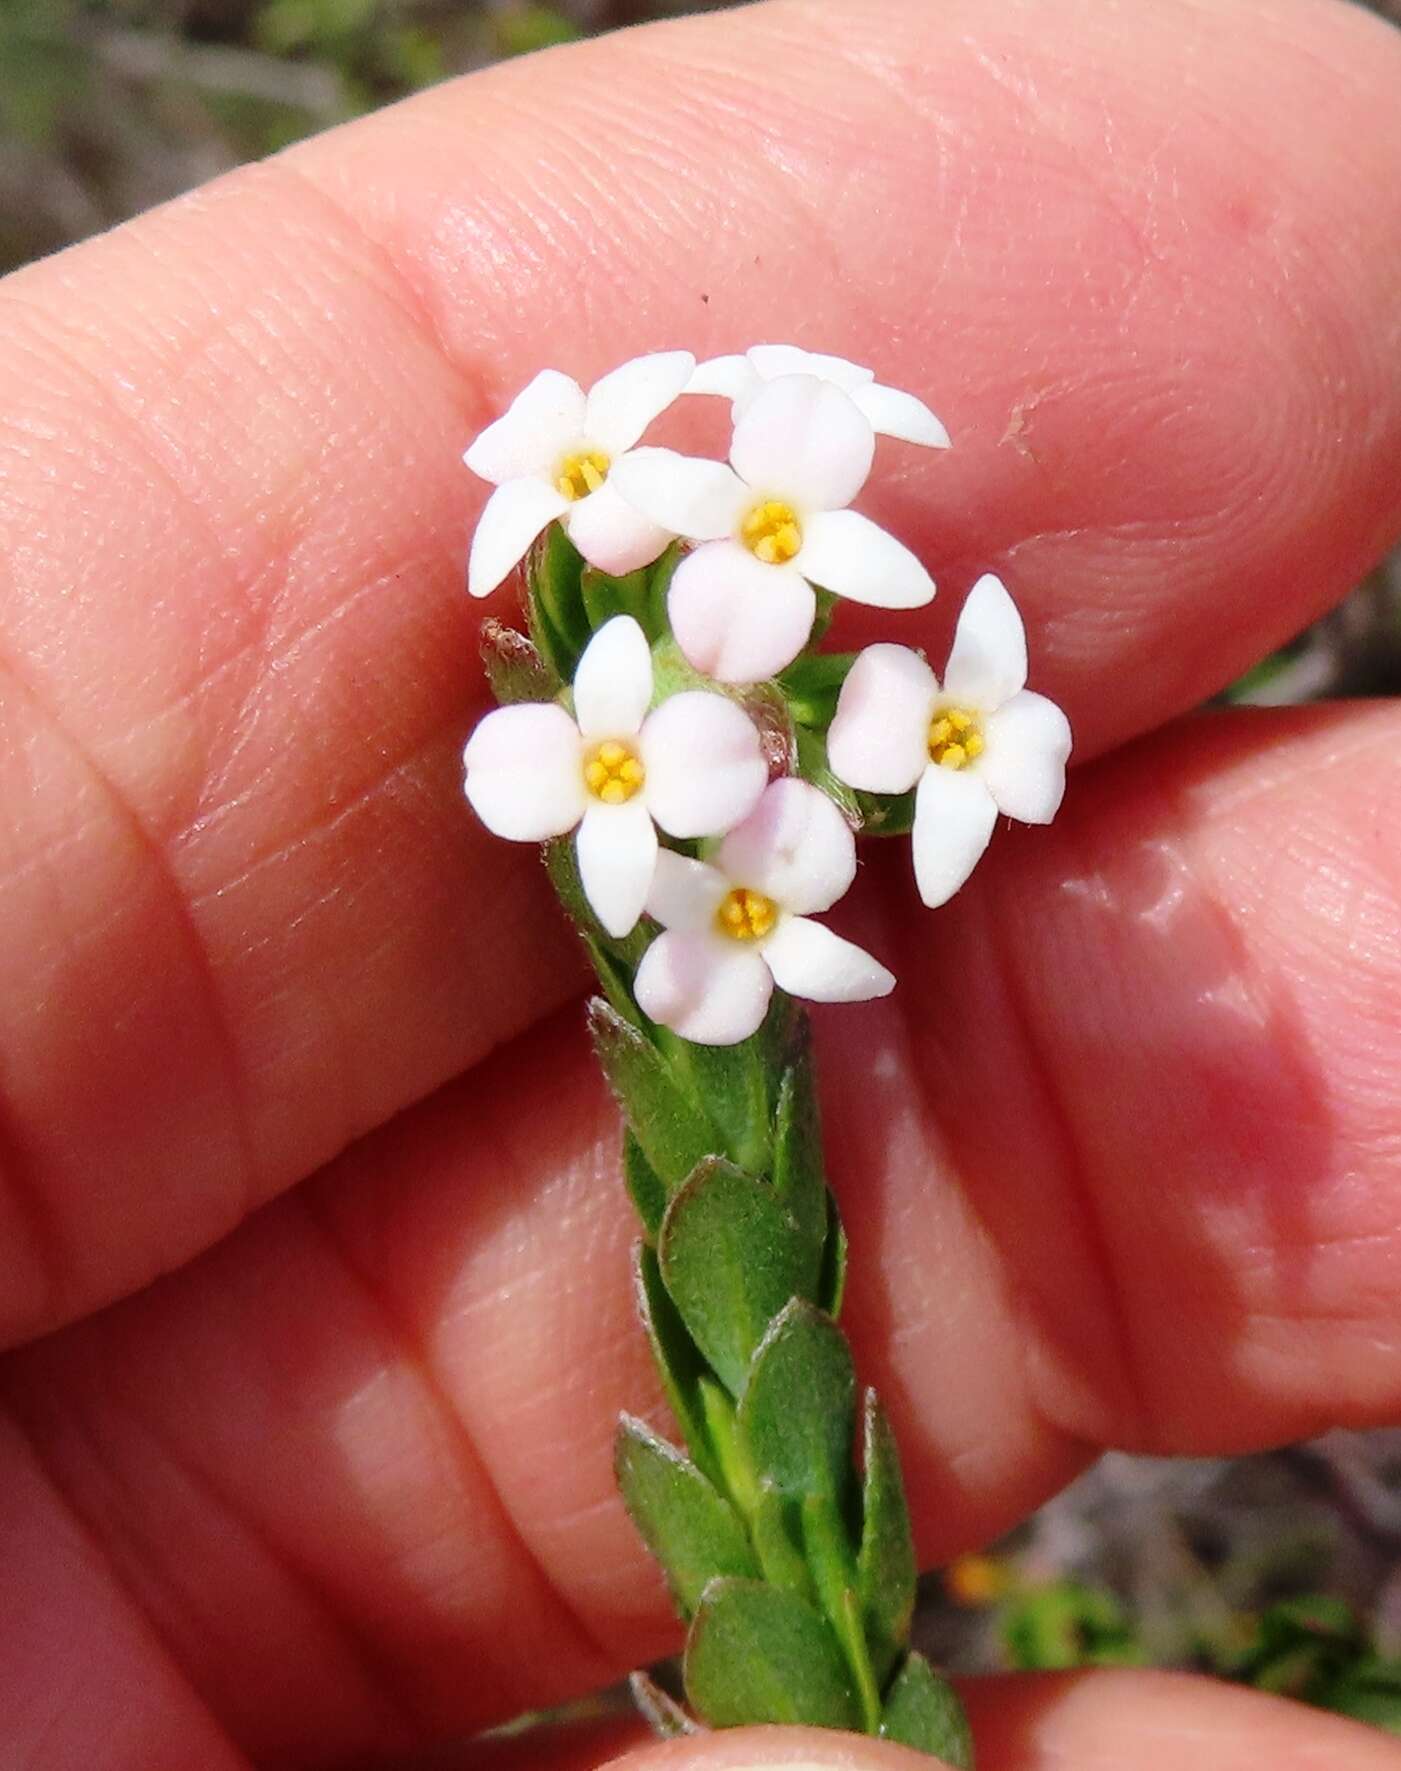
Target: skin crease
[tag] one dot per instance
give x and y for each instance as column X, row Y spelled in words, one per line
column 1119, row 1159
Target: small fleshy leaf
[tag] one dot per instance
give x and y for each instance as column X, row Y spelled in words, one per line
column 886, row 814
column 831, row 1282
column 691, row 1529
column 756, row 1654
column 605, row 596
column 515, row 671
column 777, row 1535
column 680, row 1366
column 731, row 1259
column 799, row 1176
column 798, row 1414
column 730, row 1083
column 811, row 684
column 644, row 1185
column 813, row 767
column 659, row 1709
column 673, row 1132
column 922, row 1710
column 559, row 625
column 886, row 1567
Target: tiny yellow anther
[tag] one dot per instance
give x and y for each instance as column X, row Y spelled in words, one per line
column 955, row 738
column 581, row 473
column 746, row 915
column 613, row 771
column 771, row 531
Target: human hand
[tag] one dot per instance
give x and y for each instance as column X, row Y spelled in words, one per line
column 1118, row 1159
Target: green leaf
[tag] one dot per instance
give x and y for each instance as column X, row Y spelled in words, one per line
column 812, row 683
column 559, row 624
column 886, row 1568
column 679, row 1365
column 731, row 1259
column 1370, row 1692
column 886, row 814
column 644, row 1185
column 673, row 1132
column 692, row 1530
column 756, row 1654
column 922, row 1710
column 831, row 1283
column 730, row 1084
column 515, row 670
column 799, row 1175
column 774, row 1527
column 797, row 1416
column 604, row 596
column 812, row 766
column 655, row 622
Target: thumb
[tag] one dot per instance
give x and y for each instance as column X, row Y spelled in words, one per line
column 1082, row 1721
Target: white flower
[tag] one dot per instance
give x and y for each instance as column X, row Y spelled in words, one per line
column 980, row 745
column 891, row 412
column 693, row 765
column 736, row 928
column 554, row 454
column 774, row 524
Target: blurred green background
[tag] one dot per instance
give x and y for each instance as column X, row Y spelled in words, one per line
column 1284, row 1570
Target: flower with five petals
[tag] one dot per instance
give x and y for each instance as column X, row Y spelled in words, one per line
column 693, row 765
column 736, row 926
column 555, row 453
column 980, row 744
column 890, row 410
column 772, row 524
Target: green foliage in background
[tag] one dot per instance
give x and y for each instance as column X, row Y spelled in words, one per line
column 1314, row 1649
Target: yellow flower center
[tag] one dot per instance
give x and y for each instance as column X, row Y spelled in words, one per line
column 613, row 772
column 578, row 475
column 745, row 915
column 772, row 532
column 955, row 738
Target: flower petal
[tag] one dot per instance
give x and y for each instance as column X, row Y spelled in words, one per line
column 731, row 377
column 894, row 413
column 701, row 500
column 879, row 737
column 773, row 360
column 849, row 554
column 954, row 816
column 617, row 850
column 1023, row 766
column 735, row 618
column 613, row 680
column 988, row 662
column 704, row 987
column 802, row 440
column 611, row 534
column 537, row 427
column 525, row 778
column 685, row 894
column 705, row 766
column 514, row 515
column 794, row 847
column 621, row 406
column 808, row 960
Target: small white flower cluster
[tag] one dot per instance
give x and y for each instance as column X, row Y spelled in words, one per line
column 767, row 531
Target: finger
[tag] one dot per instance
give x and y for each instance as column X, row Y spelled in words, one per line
column 1145, row 270
column 1103, row 1721
column 367, row 1440
column 1098, row 1721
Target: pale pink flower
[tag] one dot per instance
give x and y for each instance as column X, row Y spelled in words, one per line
column 692, row 766
column 980, row 744
column 738, row 925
